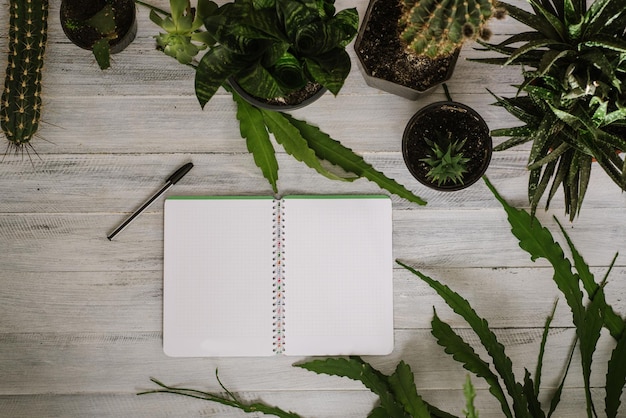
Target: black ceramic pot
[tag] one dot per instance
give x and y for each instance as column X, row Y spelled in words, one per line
column 457, row 119
column 75, row 14
column 384, row 62
column 299, row 99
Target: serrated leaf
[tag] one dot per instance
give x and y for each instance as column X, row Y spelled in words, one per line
column 615, row 378
column 612, row 321
column 252, row 128
column 403, row 386
column 334, row 152
column 456, row 345
column 538, row 242
column 295, row 144
column 356, row 369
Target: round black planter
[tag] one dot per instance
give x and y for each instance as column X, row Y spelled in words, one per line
column 384, row 62
column 74, row 13
column 463, row 122
column 314, row 92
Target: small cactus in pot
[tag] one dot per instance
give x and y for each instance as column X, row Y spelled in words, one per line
column 445, row 159
column 438, row 28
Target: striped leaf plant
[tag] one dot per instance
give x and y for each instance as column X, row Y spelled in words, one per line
column 271, row 47
column 574, row 108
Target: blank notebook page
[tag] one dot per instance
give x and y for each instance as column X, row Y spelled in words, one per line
column 338, row 275
column 218, row 277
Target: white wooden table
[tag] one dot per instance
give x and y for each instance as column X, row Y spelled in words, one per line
column 80, row 317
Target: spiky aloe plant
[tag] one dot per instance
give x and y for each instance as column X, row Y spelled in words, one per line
column 20, row 108
column 446, row 160
column 438, row 28
column 574, row 111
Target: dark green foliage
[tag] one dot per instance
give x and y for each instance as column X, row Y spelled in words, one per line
column 574, row 113
column 228, row 399
column 446, row 160
column 20, row 108
column 308, row 144
column 276, row 47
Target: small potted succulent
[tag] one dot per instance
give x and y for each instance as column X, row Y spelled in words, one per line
column 574, row 109
column 447, row 146
column 407, row 47
column 103, row 26
column 276, row 53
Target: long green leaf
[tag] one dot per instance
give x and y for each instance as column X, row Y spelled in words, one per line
column 494, row 348
column 465, row 354
column 613, row 322
column 252, row 128
column 229, row 400
column 293, row 142
column 538, row 242
column 334, row 152
column 615, row 378
column 356, row 369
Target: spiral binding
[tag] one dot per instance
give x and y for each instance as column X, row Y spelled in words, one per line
column 278, row 307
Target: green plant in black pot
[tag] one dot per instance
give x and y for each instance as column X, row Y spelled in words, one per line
column 574, row 111
column 275, row 47
column 103, row 26
column 249, row 40
column 446, row 160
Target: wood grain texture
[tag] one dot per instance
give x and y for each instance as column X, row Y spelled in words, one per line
column 80, row 333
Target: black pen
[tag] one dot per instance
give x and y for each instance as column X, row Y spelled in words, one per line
column 172, row 180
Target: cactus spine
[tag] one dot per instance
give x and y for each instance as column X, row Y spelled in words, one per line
column 20, row 108
column 438, row 27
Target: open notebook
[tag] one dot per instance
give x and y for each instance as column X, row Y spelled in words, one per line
column 254, row 276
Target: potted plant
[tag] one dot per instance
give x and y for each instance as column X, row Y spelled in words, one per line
column 274, row 54
column 103, row 26
column 187, row 34
column 447, row 146
column 574, row 110
column 407, row 47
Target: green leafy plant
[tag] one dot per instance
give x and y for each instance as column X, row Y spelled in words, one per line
column 446, row 159
column 438, row 28
column 20, row 108
column 574, row 113
column 271, row 47
column 303, row 141
column 102, row 26
column 275, row 47
column 398, row 396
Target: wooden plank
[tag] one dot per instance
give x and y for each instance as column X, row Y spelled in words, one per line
column 319, row 403
column 77, row 242
column 131, row 301
column 120, row 362
column 97, row 183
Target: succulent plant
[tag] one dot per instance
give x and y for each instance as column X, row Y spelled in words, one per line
column 446, row 160
column 574, row 111
column 182, row 38
column 439, row 27
column 20, row 108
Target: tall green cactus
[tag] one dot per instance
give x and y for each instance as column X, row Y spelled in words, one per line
column 438, row 27
column 20, row 108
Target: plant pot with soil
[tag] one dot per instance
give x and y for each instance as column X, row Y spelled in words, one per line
column 269, row 51
column 408, row 47
column 102, row 26
column 447, row 146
